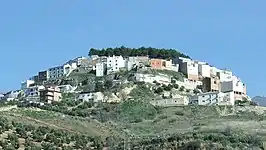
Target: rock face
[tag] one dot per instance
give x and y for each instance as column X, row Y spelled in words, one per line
column 260, row 100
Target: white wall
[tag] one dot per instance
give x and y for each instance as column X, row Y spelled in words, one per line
column 204, row 70
column 213, row 98
column 100, row 69
column 149, row 78
column 234, row 85
column 114, row 63
column 225, row 75
column 26, row 84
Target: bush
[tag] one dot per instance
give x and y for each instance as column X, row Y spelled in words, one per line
column 182, row 88
column 176, row 86
column 159, row 90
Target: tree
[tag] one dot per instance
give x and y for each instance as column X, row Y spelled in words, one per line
column 182, row 88
column 159, row 90
column 108, row 84
column 142, row 51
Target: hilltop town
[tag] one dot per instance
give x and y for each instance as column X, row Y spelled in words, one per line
column 132, row 98
column 195, row 82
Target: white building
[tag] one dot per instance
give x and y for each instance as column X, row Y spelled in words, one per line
column 100, row 69
column 26, row 84
column 189, row 84
column 11, row 95
column 191, row 69
column 150, row 78
column 225, row 75
column 213, row 98
column 33, row 91
column 204, row 70
column 88, row 96
column 67, row 88
column 114, row 64
column 60, row 71
column 214, row 71
column 171, row 102
column 236, row 86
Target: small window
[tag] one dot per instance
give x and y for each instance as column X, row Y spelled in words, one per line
column 203, row 96
column 215, row 82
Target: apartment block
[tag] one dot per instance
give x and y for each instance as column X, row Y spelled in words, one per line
column 211, row 84
column 100, row 69
column 60, row 71
column 204, row 70
column 236, row 86
column 50, row 94
column 190, row 69
column 150, row 78
column 136, row 61
column 43, row 76
column 225, row 75
column 213, row 98
column 114, row 63
column 26, row 84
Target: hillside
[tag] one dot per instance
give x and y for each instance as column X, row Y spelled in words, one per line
column 137, row 124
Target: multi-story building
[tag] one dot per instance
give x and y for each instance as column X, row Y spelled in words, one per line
column 43, row 76
column 150, row 78
column 190, row 69
column 157, row 63
column 33, row 91
column 236, row 86
column 114, row 63
column 60, row 71
column 34, row 78
column 225, row 75
column 50, row 94
column 136, row 61
column 204, row 70
column 100, row 69
column 211, row 84
column 213, row 98
column 26, row 84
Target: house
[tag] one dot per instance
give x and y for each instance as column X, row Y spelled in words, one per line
column 12, row 95
column 26, row 84
column 236, row 86
column 213, row 98
column 183, row 100
column 94, row 97
column 156, row 63
column 136, row 61
column 43, row 76
column 78, row 61
column 190, row 69
column 50, row 94
column 100, row 69
column 67, row 88
column 34, row 78
column 214, row 71
column 189, row 84
column 211, row 84
column 60, row 71
column 33, row 91
column 225, row 75
column 150, row 78
column 114, row 63
column 204, row 70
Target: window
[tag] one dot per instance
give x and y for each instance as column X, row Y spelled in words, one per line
column 203, row 96
column 215, row 82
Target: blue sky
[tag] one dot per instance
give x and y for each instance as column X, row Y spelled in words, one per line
column 35, row 35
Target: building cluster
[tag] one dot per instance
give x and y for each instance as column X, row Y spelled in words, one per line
column 216, row 86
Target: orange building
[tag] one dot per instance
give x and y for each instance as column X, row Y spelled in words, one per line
column 157, row 63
